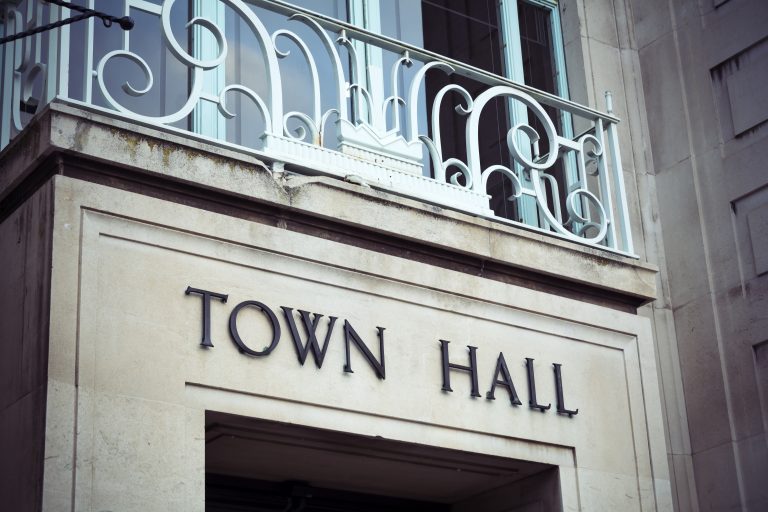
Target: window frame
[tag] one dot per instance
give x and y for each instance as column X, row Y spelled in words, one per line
column 513, row 59
column 367, row 14
column 206, row 119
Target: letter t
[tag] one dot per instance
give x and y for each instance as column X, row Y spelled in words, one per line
column 206, row 311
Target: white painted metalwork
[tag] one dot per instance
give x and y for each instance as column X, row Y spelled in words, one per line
column 374, row 129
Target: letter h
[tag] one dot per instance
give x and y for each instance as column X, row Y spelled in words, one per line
column 448, row 366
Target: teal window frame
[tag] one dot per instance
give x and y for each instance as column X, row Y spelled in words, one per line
column 513, row 59
column 207, row 121
column 365, row 14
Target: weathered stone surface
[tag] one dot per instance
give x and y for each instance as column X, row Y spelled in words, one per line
column 143, row 377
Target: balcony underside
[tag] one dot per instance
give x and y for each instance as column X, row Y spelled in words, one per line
column 83, row 145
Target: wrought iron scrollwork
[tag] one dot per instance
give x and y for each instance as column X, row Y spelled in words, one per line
column 377, row 132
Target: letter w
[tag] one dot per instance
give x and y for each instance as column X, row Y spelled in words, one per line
column 310, row 326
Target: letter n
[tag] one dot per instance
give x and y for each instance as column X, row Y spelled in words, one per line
column 351, row 336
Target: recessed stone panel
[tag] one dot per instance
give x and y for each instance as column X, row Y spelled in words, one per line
column 748, row 96
column 761, row 362
column 757, row 223
column 740, row 94
column 751, row 224
column 142, row 370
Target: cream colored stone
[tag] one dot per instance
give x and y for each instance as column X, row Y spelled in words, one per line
column 144, row 381
column 684, row 484
column 147, row 150
column 61, row 422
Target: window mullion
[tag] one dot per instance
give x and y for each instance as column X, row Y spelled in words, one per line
column 561, row 82
column 518, row 113
column 367, row 14
column 206, row 119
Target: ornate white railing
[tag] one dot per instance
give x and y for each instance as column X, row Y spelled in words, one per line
column 183, row 69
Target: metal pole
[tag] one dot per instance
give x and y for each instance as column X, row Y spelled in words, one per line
column 125, row 22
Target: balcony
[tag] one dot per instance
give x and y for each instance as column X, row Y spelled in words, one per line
column 310, row 94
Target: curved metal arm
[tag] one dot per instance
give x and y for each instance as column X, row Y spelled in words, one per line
column 125, row 22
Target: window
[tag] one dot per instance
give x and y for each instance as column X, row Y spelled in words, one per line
column 304, row 86
column 246, row 64
column 518, row 39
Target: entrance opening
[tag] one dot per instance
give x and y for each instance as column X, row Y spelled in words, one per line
column 255, row 465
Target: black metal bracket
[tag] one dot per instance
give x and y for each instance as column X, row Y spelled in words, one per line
column 125, row 22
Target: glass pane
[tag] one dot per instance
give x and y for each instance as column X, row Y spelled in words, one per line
column 468, row 30
column 246, row 66
column 536, row 42
column 333, row 8
column 465, row 30
column 401, row 20
column 539, row 70
column 165, row 96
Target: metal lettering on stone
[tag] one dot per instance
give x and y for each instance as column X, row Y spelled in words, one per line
column 500, row 377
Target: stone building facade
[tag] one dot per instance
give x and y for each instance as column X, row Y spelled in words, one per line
column 197, row 318
column 701, row 65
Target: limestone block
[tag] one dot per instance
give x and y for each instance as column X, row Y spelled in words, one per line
column 623, row 18
column 717, row 479
column 610, row 492
column 749, row 222
column 753, row 459
column 757, row 221
column 664, row 102
column 681, row 228
column 743, row 168
column 716, row 220
column 749, row 101
column 20, row 425
column 24, row 285
column 134, row 456
column 648, row 24
column 144, row 380
column 761, row 364
column 636, row 158
column 732, row 28
column 607, row 76
column 695, row 75
column 60, row 431
column 571, row 19
column 703, row 379
column 734, row 310
column 600, row 21
column 634, row 208
column 12, row 258
column 684, row 485
column 668, row 363
column 579, row 80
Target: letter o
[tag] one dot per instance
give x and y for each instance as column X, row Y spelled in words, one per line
column 236, row 336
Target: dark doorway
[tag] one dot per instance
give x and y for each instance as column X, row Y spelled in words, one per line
column 255, row 465
column 231, row 494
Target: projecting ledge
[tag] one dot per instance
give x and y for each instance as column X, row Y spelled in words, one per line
column 88, row 145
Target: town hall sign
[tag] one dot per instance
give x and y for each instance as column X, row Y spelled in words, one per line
column 501, row 377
